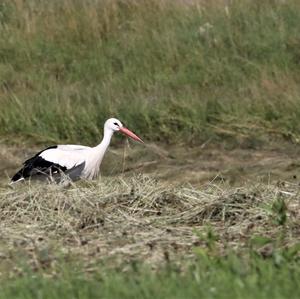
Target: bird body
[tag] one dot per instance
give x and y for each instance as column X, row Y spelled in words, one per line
column 75, row 161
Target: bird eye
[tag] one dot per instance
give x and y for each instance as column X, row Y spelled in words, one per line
column 116, row 124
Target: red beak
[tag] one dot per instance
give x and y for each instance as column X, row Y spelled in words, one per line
column 127, row 132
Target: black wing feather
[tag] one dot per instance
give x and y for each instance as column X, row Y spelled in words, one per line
column 38, row 166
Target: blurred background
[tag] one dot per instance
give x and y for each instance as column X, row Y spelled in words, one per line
column 215, row 75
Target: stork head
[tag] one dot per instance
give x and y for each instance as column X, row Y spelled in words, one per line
column 115, row 125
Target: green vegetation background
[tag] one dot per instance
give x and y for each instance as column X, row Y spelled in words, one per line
column 170, row 71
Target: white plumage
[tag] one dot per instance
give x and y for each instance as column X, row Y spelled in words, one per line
column 68, row 158
column 76, row 161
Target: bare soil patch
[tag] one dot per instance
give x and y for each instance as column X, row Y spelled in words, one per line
column 180, row 164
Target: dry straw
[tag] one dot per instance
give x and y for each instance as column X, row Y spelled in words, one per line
column 138, row 218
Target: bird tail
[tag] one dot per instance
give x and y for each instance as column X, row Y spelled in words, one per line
column 17, row 177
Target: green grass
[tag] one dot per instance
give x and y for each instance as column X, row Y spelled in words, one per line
column 170, row 71
column 209, row 277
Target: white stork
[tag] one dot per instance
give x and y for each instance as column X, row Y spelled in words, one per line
column 75, row 161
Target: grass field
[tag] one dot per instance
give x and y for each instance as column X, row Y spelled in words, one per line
column 209, row 206
column 171, row 71
column 226, row 278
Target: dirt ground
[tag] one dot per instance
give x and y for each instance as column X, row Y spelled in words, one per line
column 181, row 164
column 131, row 218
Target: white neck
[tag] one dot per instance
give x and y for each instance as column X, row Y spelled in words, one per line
column 98, row 153
column 103, row 145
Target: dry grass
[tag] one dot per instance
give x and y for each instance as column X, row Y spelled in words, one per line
column 130, row 219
